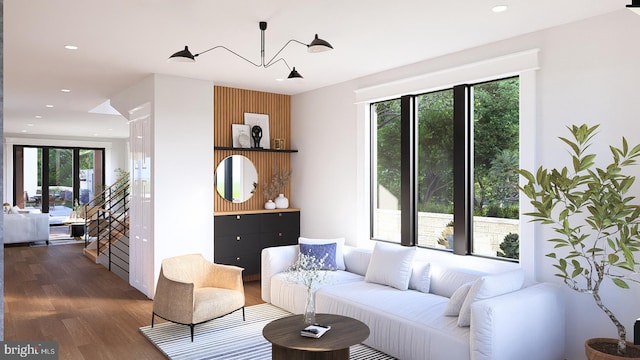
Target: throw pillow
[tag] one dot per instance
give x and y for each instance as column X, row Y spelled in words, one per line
column 319, row 252
column 339, row 248
column 489, row 286
column 420, row 277
column 457, row 299
column 390, row 265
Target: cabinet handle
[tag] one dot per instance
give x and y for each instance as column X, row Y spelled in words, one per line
column 237, row 217
column 279, row 234
column 237, row 238
column 279, row 214
column 238, row 258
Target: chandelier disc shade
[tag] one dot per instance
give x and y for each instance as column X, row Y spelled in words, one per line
column 316, row 45
column 294, row 74
column 183, row 56
column 319, row 45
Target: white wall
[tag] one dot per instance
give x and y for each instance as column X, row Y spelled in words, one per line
column 183, row 160
column 181, row 214
column 324, row 132
column 588, row 74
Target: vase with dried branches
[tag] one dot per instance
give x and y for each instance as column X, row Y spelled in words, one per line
column 279, row 180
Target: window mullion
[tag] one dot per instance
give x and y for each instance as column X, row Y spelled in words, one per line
column 462, row 170
column 408, row 186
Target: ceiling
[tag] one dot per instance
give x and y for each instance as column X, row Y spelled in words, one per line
column 121, row 42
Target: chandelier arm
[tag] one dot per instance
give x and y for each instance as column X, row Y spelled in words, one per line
column 231, row 51
column 271, row 62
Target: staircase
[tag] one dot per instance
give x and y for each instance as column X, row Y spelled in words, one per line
column 107, row 223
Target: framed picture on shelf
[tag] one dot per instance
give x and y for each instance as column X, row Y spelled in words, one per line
column 261, row 120
column 241, row 134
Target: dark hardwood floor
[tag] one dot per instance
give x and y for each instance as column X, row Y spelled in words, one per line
column 54, row 293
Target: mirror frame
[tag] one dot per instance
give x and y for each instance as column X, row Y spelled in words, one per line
column 224, row 171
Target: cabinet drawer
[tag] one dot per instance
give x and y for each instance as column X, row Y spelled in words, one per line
column 250, row 262
column 278, row 239
column 236, row 224
column 285, row 222
column 236, row 244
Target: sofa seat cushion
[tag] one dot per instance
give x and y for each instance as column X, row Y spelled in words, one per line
column 404, row 324
column 291, row 296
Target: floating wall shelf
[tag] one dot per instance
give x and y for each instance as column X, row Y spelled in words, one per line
column 254, row 149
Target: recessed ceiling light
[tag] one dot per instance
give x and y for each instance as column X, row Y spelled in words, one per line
column 71, row 47
column 38, row 116
column 49, row 105
column 24, row 131
column 30, row 125
column 65, row 90
column 499, row 8
column 279, row 79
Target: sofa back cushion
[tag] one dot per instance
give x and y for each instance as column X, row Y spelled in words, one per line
column 446, row 280
column 356, row 260
column 420, row 276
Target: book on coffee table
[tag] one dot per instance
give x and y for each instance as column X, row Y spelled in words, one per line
column 315, row 330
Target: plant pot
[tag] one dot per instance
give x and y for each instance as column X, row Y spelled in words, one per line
column 593, row 354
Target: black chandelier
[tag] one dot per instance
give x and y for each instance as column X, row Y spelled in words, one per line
column 317, row 45
column 634, row 6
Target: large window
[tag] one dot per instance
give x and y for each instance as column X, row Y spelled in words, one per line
column 443, row 166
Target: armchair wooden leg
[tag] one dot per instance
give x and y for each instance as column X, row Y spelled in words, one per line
column 153, row 316
column 192, row 326
column 243, row 314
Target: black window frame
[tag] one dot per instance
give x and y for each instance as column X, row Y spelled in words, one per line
column 45, row 165
column 463, row 197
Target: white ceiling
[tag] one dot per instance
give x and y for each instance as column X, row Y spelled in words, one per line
column 122, row 41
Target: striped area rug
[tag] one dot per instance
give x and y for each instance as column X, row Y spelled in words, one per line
column 229, row 338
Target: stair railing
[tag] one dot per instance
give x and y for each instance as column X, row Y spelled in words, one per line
column 107, row 221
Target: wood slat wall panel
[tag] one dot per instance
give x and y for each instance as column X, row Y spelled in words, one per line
column 230, row 104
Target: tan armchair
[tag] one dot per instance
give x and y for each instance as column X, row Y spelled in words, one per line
column 192, row 290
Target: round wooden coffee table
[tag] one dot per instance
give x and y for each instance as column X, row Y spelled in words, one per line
column 287, row 343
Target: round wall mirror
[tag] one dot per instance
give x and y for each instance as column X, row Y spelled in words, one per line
column 236, row 178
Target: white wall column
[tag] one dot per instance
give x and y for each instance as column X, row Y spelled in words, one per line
column 172, row 136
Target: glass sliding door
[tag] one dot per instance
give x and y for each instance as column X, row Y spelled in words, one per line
column 60, row 182
column 27, row 178
column 52, row 179
column 91, row 174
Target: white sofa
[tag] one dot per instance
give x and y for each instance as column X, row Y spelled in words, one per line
column 523, row 324
column 19, row 228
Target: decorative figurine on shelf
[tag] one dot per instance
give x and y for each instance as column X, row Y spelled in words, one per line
column 256, row 134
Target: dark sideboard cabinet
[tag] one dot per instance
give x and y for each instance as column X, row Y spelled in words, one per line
column 239, row 238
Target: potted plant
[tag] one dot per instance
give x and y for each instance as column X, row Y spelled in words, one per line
column 596, row 223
